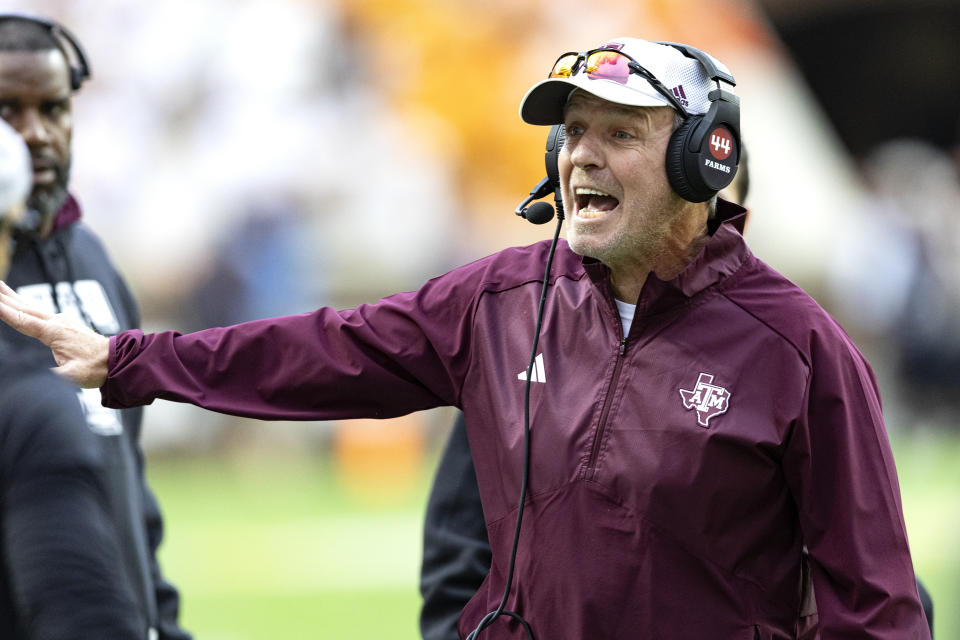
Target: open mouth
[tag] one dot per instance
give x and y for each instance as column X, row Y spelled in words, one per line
column 44, row 172
column 44, row 176
column 593, row 203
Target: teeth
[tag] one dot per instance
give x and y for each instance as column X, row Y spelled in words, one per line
column 584, row 191
column 590, row 213
column 587, row 212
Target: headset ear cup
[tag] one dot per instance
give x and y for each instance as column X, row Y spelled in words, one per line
column 676, row 171
column 555, row 141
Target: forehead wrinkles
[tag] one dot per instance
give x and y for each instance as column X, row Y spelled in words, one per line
column 40, row 73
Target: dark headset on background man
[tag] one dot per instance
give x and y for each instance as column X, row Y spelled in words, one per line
column 69, row 45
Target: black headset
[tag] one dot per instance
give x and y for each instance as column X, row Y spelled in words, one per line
column 704, row 151
column 541, row 212
column 69, row 45
column 702, row 156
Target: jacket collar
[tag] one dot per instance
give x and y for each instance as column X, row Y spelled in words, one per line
column 724, row 253
column 68, row 213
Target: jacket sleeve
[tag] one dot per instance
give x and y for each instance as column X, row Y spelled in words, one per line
column 456, row 551
column 62, row 555
column 841, row 472
column 405, row 353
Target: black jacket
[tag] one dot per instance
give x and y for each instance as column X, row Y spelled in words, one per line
column 69, row 271
column 456, row 551
column 63, row 570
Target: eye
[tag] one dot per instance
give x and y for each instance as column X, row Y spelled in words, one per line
column 623, row 135
column 56, row 108
column 7, row 109
column 573, row 130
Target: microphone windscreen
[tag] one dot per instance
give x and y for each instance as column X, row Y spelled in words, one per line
column 539, row 213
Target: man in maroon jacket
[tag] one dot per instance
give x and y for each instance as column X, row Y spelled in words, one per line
column 695, row 419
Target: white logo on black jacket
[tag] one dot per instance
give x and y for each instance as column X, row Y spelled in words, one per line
column 87, row 301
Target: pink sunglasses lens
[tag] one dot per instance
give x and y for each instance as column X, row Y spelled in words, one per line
column 608, row 65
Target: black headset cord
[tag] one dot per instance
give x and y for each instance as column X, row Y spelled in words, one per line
column 501, row 610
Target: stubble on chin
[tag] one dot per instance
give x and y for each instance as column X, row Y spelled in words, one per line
column 631, row 247
column 48, row 200
column 584, row 243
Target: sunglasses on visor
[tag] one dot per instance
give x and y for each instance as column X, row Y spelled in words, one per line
column 609, row 64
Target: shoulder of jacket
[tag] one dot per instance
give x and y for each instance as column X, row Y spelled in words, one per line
column 783, row 307
column 79, row 231
column 516, row 266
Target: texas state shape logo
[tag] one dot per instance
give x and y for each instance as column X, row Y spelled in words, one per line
column 706, row 398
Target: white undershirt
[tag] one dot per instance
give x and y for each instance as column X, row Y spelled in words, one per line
column 626, row 315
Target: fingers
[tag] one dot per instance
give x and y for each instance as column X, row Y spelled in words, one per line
column 23, row 316
column 80, row 352
column 28, row 319
column 12, row 299
column 22, row 320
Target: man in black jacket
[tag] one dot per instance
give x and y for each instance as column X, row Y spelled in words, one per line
column 62, row 266
column 60, row 561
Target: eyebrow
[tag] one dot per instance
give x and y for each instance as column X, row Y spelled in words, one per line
column 619, row 109
column 624, row 111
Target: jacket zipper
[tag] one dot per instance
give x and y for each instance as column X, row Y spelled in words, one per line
column 598, row 438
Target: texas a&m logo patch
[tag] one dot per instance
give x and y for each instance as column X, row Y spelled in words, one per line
column 706, row 398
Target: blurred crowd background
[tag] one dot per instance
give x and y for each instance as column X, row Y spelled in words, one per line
column 247, row 158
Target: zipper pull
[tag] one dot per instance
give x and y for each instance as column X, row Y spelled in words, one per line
column 623, row 346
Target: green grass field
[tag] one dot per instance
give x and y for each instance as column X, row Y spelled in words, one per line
column 929, row 469
column 286, row 547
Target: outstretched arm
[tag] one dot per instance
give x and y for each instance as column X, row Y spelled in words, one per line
column 80, row 353
column 322, row 365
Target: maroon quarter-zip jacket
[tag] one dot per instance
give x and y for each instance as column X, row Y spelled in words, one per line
column 676, row 474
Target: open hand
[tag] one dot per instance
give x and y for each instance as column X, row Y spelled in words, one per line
column 80, row 353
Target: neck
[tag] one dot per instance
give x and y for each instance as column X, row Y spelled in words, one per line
column 46, row 222
column 627, row 286
column 680, row 245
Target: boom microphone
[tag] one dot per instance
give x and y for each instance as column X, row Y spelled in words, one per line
column 539, row 212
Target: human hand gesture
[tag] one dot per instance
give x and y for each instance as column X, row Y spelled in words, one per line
column 80, row 353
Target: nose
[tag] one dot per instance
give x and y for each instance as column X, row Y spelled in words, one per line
column 586, row 151
column 32, row 128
